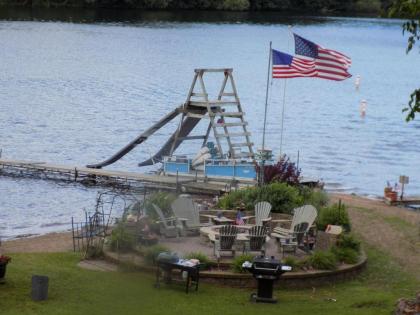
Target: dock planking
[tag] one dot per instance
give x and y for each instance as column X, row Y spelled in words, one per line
column 101, row 177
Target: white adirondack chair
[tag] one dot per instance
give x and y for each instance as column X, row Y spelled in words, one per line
column 226, row 240
column 262, row 213
column 168, row 226
column 303, row 218
column 186, row 212
column 257, row 238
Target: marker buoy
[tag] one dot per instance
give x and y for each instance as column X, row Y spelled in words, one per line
column 357, row 82
column 363, row 106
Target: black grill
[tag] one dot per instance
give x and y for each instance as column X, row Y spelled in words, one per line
column 266, row 270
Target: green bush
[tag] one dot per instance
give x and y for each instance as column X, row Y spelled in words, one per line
column 121, row 239
column 323, row 260
column 239, row 260
column 293, row 262
column 203, row 258
column 335, row 215
column 156, row 4
column 151, row 253
column 236, row 5
column 283, row 198
column 348, row 241
column 371, row 6
column 317, row 198
column 346, row 255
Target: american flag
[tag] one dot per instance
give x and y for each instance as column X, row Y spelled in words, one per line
column 329, row 64
column 239, row 220
column 287, row 66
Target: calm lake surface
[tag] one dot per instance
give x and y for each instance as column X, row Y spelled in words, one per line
column 75, row 90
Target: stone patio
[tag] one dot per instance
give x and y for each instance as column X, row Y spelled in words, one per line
column 185, row 245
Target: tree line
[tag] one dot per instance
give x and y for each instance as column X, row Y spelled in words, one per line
column 303, row 6
column 323, row 6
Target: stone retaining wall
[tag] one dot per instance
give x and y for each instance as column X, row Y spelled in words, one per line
column 301, row 279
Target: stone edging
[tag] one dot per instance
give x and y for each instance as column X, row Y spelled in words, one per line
column 300, row 279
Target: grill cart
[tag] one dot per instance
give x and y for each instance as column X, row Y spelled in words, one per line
column 166, row 262
column 266, row 270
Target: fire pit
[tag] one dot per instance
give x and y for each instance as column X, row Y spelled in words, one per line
column 266, row 270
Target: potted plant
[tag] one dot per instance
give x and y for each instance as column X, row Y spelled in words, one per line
column 387, row 189
column 391, row 192
column 4, row 260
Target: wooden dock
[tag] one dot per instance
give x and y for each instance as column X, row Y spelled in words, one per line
column 413, row 202
column 118, row 179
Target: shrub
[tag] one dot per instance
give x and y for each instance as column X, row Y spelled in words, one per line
column 283, row 171
column 283, row 198
column 121, row 239
column 236, row 5
column 235, row 198
column 323, row 260
column 372, row 6
column 201, row 257
column 336, row 215
column 151, row 253
column 292, row 262
column 156, row 4
column 348, row 241
column 239, row 260
column 317, row 198
column 346, row 255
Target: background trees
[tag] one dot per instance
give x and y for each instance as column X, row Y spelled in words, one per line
column 410, row 9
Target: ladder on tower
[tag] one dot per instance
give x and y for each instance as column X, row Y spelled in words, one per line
column 224, row 112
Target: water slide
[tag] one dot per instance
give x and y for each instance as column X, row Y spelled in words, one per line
column 187, row 126
column 140, row 139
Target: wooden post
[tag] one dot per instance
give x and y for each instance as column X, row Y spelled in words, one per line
column 72, row 231
column 177, row 188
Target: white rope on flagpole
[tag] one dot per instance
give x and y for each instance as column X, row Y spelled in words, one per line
column 269, row 73
column 282, row 118
column 284, row 98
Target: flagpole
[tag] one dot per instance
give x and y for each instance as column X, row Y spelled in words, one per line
column 266, row 98
column 261, row 173
column 284, row 100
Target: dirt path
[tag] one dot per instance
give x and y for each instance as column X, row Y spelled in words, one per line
column 394, row 230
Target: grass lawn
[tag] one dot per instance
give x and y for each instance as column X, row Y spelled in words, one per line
column 77, row 291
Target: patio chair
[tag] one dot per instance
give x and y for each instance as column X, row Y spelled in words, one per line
column 186, row 212
column 262, row 213
column 169, row 227
column 303, row 218
column 226, row 240
column 257, row 238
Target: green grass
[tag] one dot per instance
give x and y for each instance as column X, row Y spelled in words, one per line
column 77, row 291
column 399, row 224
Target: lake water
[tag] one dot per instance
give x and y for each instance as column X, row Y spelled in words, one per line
column 76, row 92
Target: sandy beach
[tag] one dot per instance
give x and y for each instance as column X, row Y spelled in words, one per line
column 52, row 242
column 394, row 230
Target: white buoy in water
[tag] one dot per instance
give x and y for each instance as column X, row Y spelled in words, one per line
column 363, row 106
column 357, row 82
